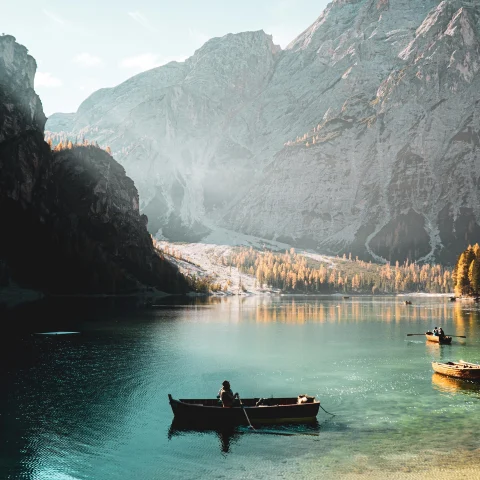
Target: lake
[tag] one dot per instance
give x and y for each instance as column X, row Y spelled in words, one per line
column 94, row 405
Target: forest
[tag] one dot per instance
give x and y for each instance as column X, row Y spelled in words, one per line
column 466, row 273
column 299, row 273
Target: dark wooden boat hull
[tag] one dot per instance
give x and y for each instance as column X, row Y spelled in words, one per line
column 208, row 411
column 441, row 340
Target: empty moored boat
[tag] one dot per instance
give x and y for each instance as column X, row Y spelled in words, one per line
column 445, row 340
column 461, row 369
column 258, row 410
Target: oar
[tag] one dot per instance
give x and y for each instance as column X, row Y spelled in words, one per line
column 412, row 334
column 243, row 408
column 285, row 433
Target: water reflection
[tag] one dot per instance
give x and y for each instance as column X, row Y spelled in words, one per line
column 452, row 385
column 438, row 351
column 332, row 310
column 465, row 317
column 228, row 435
column 335, row 309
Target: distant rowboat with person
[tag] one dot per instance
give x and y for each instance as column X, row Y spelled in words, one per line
column 441, row 339
column 444, row 340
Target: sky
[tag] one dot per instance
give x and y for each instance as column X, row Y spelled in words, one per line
column 83, row 45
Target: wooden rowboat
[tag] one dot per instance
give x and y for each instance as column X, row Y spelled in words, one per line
column 461, row 369
column 269, row 410
column 435, row 338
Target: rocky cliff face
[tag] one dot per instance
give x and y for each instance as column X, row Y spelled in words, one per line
column 391, row 169
column 362, row 136
column 177, row 132
column 70, row 219
column 21, row 125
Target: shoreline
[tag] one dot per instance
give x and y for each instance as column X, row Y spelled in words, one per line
column 14, row 296
column 435, row 473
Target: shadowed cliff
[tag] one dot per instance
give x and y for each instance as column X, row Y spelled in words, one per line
column 70, row 219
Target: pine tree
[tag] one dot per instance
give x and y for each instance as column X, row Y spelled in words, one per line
column 469, row 258
column 462, row 284
column 474, row 276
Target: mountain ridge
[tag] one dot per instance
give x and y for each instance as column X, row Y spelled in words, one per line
column 366, row 75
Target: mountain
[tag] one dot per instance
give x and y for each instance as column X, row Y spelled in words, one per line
column 169, row 128
column 70, row 218
column 361, row 136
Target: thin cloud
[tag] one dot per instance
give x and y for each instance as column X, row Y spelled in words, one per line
column 66, row 25
column 147, row 61
column 87, row 60
column 54, row 17
column 46, row 79
column 142, row 20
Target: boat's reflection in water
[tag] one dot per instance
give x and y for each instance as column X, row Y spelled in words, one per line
column 230, row 434
column 227, row 435
column 455, row 385
column 439, row 352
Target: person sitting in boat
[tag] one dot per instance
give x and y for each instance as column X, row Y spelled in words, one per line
column 435, row 331
column 441, row 333
column 228, row 398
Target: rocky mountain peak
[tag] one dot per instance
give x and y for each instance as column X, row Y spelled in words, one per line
column 237, row 64
column 17, row 66
column 253, row 39
column 353, row 137
column 17, row 74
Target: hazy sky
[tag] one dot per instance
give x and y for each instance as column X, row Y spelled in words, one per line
column 83, row 45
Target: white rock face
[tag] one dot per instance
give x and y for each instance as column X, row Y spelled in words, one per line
column 172, row 129
column 362, row 136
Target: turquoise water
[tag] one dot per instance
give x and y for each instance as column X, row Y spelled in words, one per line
column 94, row 405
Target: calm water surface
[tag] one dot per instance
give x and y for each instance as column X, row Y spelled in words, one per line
column 94, row 405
